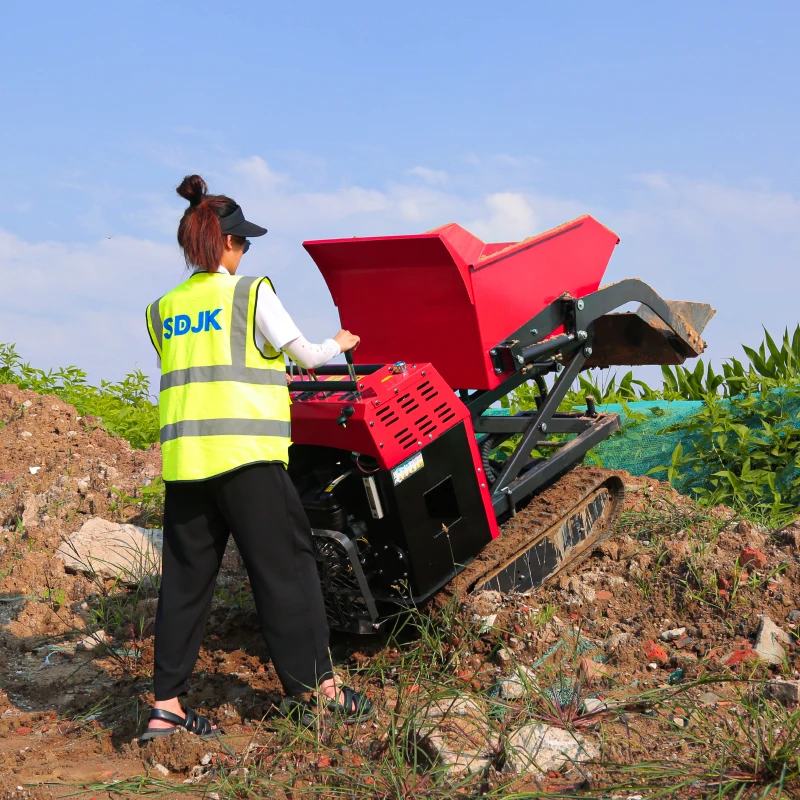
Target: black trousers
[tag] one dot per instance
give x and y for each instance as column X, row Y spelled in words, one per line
column 259, row 505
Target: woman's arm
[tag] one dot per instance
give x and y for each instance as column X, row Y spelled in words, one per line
column 310, row 356
column 281, row 333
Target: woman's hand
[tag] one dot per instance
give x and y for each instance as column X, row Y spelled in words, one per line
column 346, row 340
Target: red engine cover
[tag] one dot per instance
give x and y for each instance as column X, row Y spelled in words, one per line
column 395, row 414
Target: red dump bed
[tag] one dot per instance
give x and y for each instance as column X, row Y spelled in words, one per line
column 448, row 298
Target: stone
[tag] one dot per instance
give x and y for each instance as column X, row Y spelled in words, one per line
column 616, row 642
column 579, row 588
column 655, row 652
column 544, row 748
column 794, row 617
column 516, row 686
column 83, row 486
column 769, row 642
column 113, row 551
column 709, row 699
column 591, row 671
column 30, row 511
column 161, row 770
column 604, row 596
column 672, row 635
column 487, row 601
column 750, row 557
column 786, row 692
column 26, row 434
column 487, row 622
column 456, row 733
column 92, row 641
column 594, row 705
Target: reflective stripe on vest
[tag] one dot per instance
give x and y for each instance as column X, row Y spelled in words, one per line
column 223, row 404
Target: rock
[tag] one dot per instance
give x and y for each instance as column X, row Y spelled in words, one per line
column 769, row 641
column 604, row 596
column 92, row 641
column 487, row 601
column 542, row 747
column 579, row 588
column 516, row 686
column 590, row 671
column 83, row 486
column 786, row 692
column 161, row 770
column 616, row 642
column 487, row 622
column 709, row 699
column 741, row 655
column 30, row 512
column 750, row 557
column 794, row 617
column 594, row 705
column 655, row 652
column 672, row 635
column 455, row 732
column 502, row 657
column 26, row 434
column 111, row 550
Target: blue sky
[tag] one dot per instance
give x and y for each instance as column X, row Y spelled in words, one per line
column 675, row 124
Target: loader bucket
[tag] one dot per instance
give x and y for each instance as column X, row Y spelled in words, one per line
column 642, row 338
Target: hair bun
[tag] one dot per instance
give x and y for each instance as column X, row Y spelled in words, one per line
column 193, row 188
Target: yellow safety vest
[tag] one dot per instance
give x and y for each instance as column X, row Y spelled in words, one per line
column 222, row 403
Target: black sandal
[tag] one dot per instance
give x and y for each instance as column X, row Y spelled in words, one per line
column 192, row 722
column 356, row 708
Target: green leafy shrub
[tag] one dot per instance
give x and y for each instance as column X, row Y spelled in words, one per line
column 741, row 448
column 125, row 408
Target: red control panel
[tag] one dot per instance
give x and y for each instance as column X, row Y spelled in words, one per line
column 396, row 412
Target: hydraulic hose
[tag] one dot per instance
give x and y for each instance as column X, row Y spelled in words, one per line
column 487, row 445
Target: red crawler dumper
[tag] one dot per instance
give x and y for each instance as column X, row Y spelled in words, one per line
column 393, row 457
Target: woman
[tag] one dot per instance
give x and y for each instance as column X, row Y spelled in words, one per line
column 224, row 410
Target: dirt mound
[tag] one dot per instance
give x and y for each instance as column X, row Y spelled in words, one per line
column 178, row 752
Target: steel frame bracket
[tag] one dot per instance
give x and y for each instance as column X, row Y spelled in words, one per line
column 507, row 356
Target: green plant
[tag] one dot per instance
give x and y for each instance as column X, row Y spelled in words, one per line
column 125, row 408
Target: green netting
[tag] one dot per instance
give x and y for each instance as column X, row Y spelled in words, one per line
column 652, row 429
column 644, row 441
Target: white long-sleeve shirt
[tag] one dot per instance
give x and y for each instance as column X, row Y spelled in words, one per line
column 276, row 331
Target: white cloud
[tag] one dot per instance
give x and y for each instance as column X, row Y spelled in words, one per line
column 432, row 176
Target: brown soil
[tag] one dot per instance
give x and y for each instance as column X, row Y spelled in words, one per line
column 68, row 718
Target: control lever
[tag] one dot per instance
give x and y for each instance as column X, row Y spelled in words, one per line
column 347, row 412
column 348, row 357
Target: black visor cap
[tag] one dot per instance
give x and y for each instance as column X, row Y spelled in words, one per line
column 234, row 224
